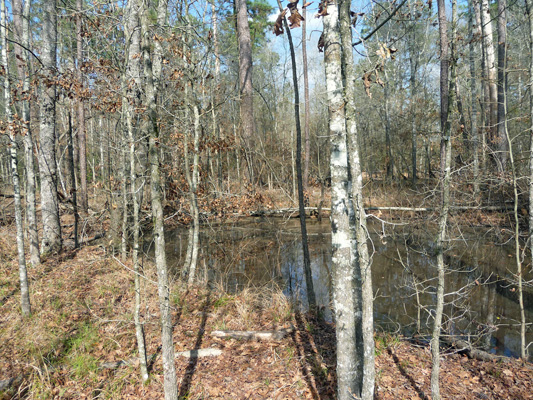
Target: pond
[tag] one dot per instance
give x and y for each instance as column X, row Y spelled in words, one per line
column 480, row 302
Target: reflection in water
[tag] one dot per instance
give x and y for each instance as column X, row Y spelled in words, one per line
column 264, row 252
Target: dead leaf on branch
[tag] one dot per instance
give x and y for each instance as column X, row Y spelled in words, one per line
column 367, row 82
column 278, row 26
column 322, row 9
column 295, row 19
column 321, row 43
column 385, row 52
column 293, row 4
column 354, row 16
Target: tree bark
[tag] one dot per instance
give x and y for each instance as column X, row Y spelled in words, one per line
column 245, row 82
column 502, row 144
column 484, row 104
column 490, row 62
column 132, row 80
column 51, row 240
column 348, row 370
column 311, row 299
column 152, row 71
column 529, row 7
column 445, row 100
column 81, row 113
column 306, row 100
column 72, row 170
column 23, row 277
column 21, row 16
column 364, row 312
column 413, row 64
column 474, row 100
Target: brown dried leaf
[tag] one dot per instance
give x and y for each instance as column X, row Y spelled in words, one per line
column 322, row 9
column 278, row 26
column 293, row 4
column 367, row 82
column 295, row 19
column 321, row 43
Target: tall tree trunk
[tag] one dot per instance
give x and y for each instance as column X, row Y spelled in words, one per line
column 529, row 6
column 348, row 370
column 311, row 299
column 21, row 17
column 485, row 109
column 152, row 72
column 502, row 144
column 124, row 178
column 388, row 144
column 413, row 62
column 361, row 264
column 445, row 101
column 81, row 113
column 191, row 258
column 474, row 100
column 131, row 93
column 72, row 170
column 51, row 241
column 306, row 100
column 24, row 286
column 245, row 84
column 490, row 62
column 215, row 93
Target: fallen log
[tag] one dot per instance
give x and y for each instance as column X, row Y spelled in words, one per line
column 199, row 353
column 254, row 335
column 463, row 346
column 430, row 209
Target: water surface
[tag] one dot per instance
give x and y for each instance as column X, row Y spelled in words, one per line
column 267, row 251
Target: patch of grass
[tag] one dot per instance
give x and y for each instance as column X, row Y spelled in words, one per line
column 83, row 365
column 384, row 342
column 222, row 301
column 78, row 351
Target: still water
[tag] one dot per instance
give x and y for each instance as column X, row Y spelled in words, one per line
column 480, row 303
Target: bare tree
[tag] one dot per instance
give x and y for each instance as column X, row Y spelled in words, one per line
column 490, row 64
column 132, row 80
column 21, row 21
column 361, row 262
column 348, row 361
column 51, row 240
column 81, row 112
column 245, row 82
column 23, row 277
column 152, row 71
column 445, row 176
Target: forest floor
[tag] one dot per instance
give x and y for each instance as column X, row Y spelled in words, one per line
column 82, row 302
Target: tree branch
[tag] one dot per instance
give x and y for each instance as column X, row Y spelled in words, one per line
column 380, row 24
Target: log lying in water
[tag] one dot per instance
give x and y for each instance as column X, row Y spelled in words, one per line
column 254, row 335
